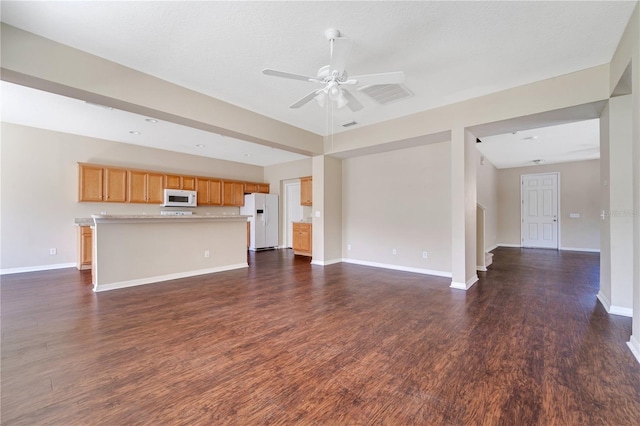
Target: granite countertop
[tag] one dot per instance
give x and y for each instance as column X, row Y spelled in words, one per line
column 90, row 221
column 167, row 218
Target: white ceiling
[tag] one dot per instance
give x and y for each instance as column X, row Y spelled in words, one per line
column 449, row 51
column 554, row 144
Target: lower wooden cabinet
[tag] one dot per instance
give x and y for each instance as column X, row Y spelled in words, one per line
column 302, row 238
column 85, row 247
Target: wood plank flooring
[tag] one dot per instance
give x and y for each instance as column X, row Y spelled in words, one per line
column 285, row 342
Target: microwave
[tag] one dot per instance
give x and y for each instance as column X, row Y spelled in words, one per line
column 180, row 198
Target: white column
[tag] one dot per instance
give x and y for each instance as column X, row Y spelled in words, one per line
column 463, row 209
column 327, row 210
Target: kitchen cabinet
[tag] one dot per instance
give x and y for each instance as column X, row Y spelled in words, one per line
column 187, row 183
column 253, row 187
column 302, row 238
column 306, row 194
column 85, row 249
column 102, row 184
column 146, row 187
column 232, row 193
column 209, row 192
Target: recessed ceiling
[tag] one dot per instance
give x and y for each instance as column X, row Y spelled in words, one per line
column 449, row 51
column 35, row 108
column 547, row 145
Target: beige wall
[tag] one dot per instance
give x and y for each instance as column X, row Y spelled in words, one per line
column 579, row 193
column 487, row 187
column 399, row 199
column 39, row 187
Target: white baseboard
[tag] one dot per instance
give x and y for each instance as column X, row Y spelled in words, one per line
column 325, row 262
column 619, row 310
column 399, row 268
column 464, row 286
column 634, row 345
column 8, row 271
column 606, row 303
column 508, row 245
column 481, row 268
column 580, row 249
column 160, row 278
column 492, row 248
column 613, row 309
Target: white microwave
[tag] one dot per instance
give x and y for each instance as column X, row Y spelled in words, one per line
column 180, row 198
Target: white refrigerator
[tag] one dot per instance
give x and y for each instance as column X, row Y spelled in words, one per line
column 264, row 220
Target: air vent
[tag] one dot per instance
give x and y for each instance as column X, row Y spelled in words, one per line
column 349, row 124
column 386, row 93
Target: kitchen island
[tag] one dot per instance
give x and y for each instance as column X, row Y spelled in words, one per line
column 130, row 250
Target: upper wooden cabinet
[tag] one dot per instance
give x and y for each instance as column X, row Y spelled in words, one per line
column 180, row 182
column 146, row 187
column 232, row 193
column 251, row 187
column 112, row 184
column 306, row 194
column 209, row 192
column 102, row 184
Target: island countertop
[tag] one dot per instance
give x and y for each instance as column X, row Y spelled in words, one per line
column 123, row 218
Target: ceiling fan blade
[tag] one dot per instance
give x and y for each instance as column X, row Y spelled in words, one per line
column 383, row 78
column 353, row 104
column 340, row 48
column 283, row 74
column 304, row 100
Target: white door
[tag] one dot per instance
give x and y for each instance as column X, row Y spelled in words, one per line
column 540, row 210
column 293, row 209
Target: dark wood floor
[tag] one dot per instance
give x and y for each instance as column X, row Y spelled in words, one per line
column 284, row 342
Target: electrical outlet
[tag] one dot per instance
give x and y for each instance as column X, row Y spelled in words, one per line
column 53, row 251
column 425, row 255
column 349, row 247
column 207, row 254
column 394, row 251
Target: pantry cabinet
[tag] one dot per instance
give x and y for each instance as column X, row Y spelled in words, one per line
column 302, row 238
column 306, row 194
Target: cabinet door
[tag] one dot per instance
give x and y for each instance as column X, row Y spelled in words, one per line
column 115, row 185
column 202, row 187
column 250, row 187
column 215, row 192
column 238, row 189
column 263, row 188
column 155, row 190
column 90, row 183
column 188, row 183
column 86, row 245
column 302, row 238
column 231, row 192
column 137, row 187
column 172, row 182
column 306, row 196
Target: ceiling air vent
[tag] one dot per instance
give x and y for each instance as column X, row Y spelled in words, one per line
column 349, row 124
column 386, row 93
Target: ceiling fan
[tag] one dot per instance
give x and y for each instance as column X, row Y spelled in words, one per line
column 334, row 77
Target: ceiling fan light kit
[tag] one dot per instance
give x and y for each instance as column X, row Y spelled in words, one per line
column 334, row 77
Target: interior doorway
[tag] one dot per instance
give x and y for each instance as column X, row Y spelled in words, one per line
column 539, row 211
column 292, row 210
